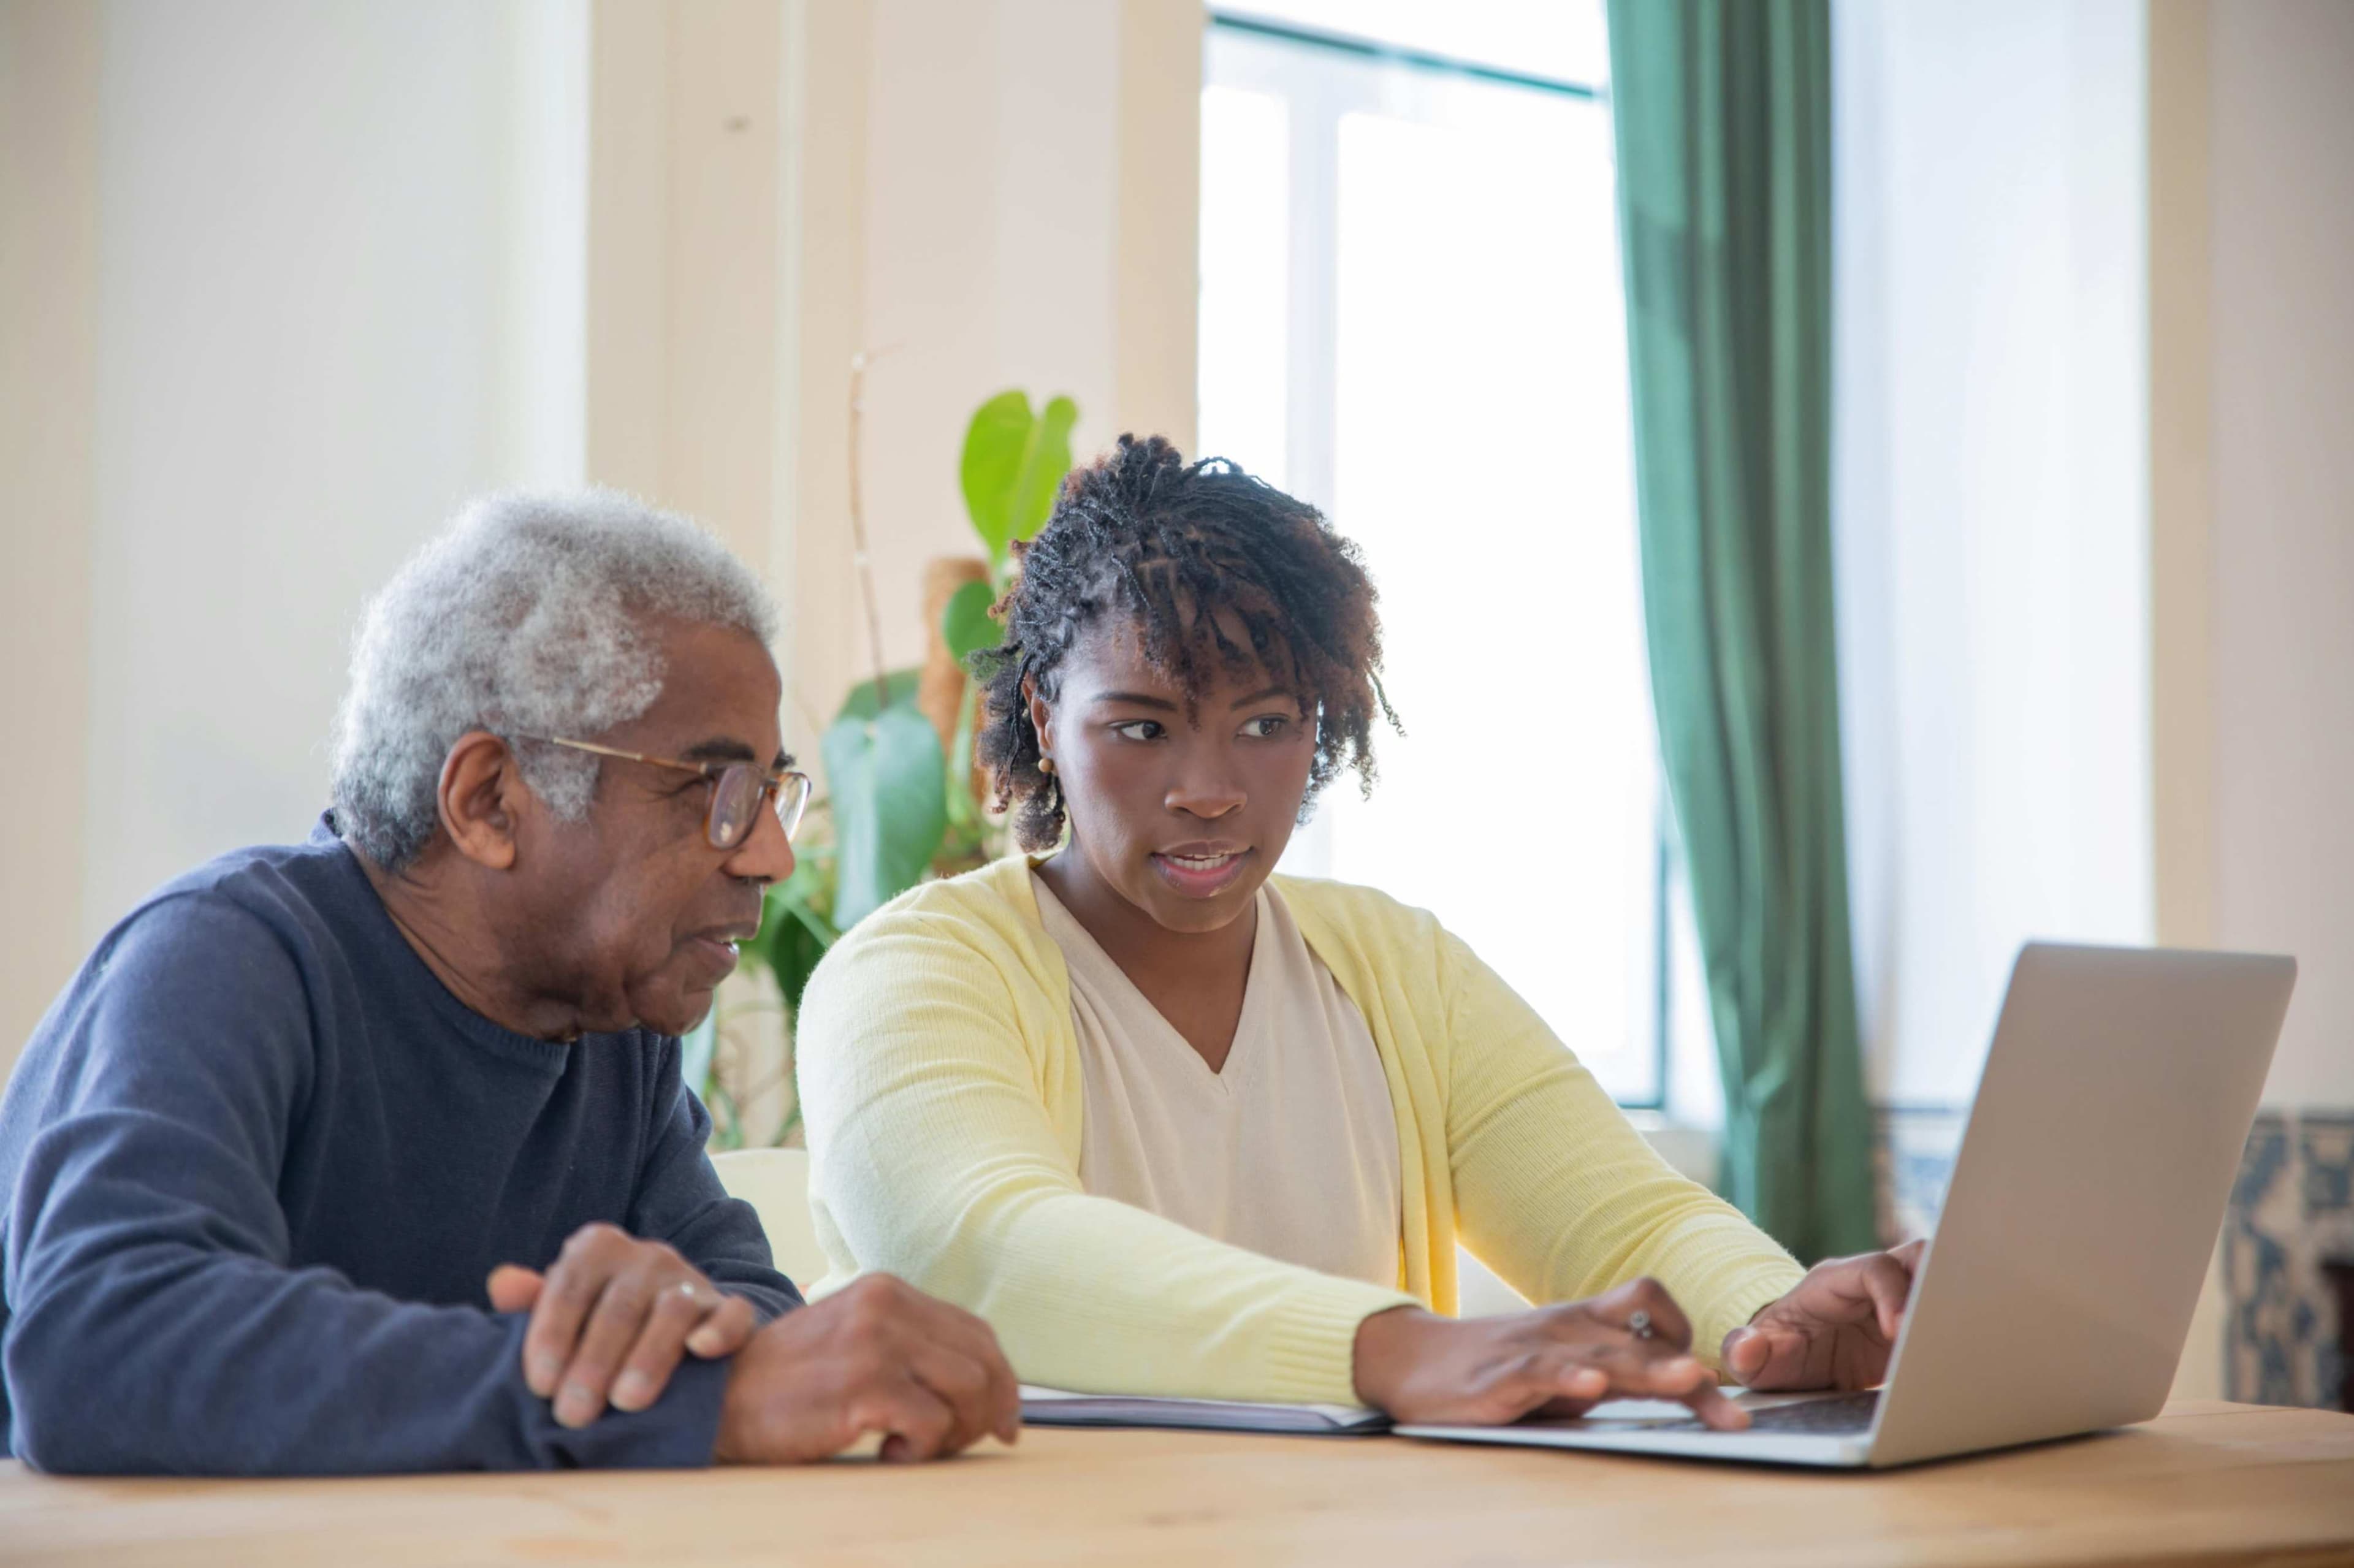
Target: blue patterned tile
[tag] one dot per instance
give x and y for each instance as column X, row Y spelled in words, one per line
column 1915, row 1152
column 2261, row 1162
column 2292, row 1209
column 2326, row 1147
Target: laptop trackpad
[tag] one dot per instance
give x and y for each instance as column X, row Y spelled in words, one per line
column 1827, row 1414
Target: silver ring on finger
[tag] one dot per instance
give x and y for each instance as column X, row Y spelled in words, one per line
column 1639, row 1323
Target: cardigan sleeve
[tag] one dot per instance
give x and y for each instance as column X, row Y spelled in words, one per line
column 1556, row 1191
column 936, row 1157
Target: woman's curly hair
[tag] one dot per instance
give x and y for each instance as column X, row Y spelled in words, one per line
column 1142, row 533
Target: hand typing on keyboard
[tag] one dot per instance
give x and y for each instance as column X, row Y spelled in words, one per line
column 1837, row 1329
column 1631, row 1342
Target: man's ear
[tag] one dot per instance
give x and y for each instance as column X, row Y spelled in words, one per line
column 482, row 799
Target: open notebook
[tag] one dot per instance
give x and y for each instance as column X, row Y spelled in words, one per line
column 1052, row 1408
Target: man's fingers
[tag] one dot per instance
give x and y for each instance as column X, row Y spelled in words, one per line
column 915, row 1422
column 928, row 1321
column 976, row 1342
column 725, row 1330
column 512, row 1287
column 678, row 1308
column 619, row 1316
column 963, row 1384
column 574, row 1283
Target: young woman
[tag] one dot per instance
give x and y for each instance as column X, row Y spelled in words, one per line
column 1176, row 1125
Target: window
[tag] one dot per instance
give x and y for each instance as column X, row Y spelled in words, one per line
column 1412, row 316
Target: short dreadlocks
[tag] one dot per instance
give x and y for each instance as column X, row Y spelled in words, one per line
column 1142, row 533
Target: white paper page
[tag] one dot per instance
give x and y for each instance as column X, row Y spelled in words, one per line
column 1045, row 1404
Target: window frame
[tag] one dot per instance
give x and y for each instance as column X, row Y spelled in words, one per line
column 1311, row 350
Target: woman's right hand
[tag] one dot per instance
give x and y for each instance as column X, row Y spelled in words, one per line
column 1550, row 1361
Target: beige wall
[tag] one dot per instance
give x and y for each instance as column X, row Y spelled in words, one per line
column 2252, row 396
column 287, row 291
column 824, row 277
column 683, row 239
column 301, row 280
column 971, row 194
column 49, row 364
column 992, row 194
column 2181, row 491
column 2182, row 735
column 2282, row 323
column 1157, row 261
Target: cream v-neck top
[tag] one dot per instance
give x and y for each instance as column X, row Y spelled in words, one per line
column 1291, row 1150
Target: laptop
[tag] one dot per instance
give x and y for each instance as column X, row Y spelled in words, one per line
column 2078, row 1224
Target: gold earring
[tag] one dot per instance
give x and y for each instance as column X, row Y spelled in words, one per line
column 1046, row 765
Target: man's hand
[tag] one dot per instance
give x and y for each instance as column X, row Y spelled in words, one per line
column 878, row 1356
column 611, row 1318
column 1559, row 1361
column 1835, row 1329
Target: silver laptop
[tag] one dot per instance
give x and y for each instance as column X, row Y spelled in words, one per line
column 2077, row 1231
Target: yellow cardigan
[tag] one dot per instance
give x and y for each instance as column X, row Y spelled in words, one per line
column 940, row 1082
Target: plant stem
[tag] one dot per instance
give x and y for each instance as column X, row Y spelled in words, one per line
column 858, row 529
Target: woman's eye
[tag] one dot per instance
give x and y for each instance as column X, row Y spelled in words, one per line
column 1267, row 727
column 1138, row 729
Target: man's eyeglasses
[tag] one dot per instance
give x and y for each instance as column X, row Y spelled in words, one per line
column 737, row 790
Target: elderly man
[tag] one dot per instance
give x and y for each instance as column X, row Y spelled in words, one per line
column 371, row 1153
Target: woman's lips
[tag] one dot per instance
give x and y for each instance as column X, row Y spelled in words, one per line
column 1201, row 876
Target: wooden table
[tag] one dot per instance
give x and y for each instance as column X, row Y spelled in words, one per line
column 2206, row 1483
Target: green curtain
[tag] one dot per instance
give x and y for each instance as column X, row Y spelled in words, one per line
column 1722, row 111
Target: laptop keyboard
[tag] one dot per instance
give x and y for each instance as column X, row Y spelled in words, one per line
column 1838, row 1416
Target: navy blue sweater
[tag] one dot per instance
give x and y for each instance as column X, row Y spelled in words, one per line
column 257, row 1161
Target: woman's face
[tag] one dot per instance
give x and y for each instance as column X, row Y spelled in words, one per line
column 1182, row 812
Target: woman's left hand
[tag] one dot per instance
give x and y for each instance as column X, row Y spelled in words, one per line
column 1836, row 1330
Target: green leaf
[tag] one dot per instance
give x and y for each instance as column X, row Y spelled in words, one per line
column 967, row 624
column 861, row 702
column 794, row 955
column 795, row 930
column 1013, row 463
column 889, row 786
column 994, row 445
column 1047, row 462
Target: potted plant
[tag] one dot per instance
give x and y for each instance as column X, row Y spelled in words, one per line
column 898, row 801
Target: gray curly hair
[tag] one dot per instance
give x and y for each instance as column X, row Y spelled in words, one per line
column 525, row 617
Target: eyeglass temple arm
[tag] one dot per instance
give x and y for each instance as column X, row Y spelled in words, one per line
column 708, row 770
column 613, row 752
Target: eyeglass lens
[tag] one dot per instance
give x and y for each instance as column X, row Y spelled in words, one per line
column 736, row 798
